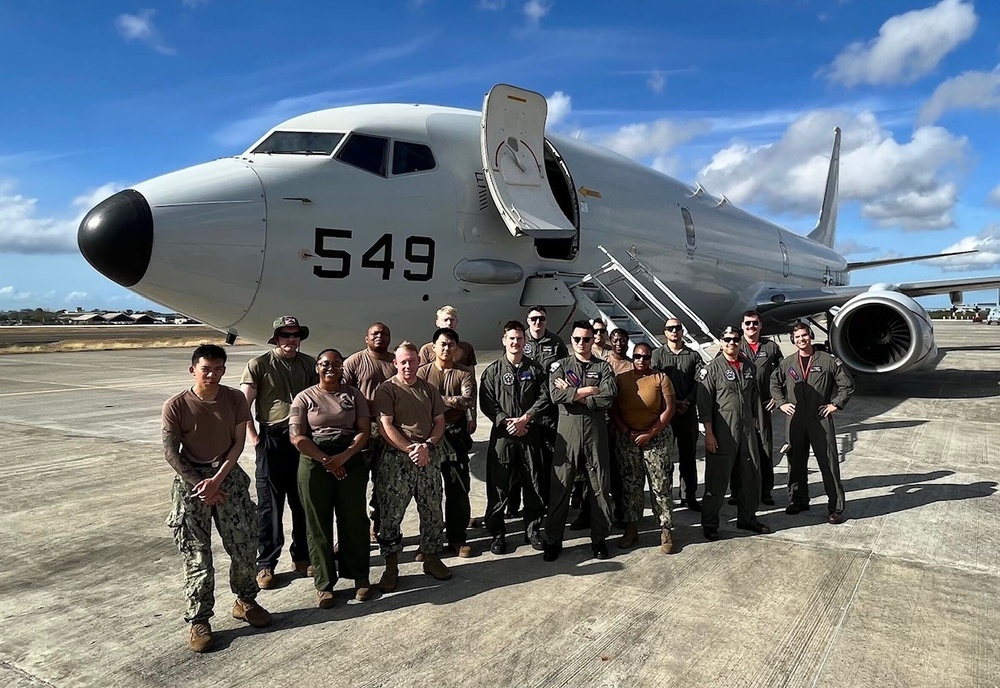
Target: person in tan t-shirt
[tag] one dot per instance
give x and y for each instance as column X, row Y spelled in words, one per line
column 366, row 370
column 411, row 422
column 645, row 444
column 204, row 430
column 447, row 316
column 457, row 385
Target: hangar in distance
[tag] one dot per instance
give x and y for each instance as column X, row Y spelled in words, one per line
column 385, row 212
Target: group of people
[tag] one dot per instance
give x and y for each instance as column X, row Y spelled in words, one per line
column 587, row 425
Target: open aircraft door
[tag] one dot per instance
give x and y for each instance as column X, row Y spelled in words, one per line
column 513, row 150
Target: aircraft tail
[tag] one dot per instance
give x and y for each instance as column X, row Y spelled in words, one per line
column 826, row 228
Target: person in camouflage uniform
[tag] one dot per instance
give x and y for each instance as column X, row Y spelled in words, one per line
column 411, row 421
column 645, row 444
column 204, row 431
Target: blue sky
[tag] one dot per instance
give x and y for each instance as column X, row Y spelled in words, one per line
column 739, row 95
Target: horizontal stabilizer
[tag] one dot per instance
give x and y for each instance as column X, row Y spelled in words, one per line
column 861, row 265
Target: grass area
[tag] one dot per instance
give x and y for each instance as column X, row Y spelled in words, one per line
column 113, row 344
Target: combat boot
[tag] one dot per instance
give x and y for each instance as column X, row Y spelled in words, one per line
column 666, row 541
column 387, row 583
column 265, row 578
column 251, row 612
column 433, row 566
column 362, row 589
column 200, row 639
column 630, row 537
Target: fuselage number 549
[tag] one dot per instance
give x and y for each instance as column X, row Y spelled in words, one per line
column 418, row 251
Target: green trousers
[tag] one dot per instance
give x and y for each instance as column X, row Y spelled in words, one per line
column 323, row 496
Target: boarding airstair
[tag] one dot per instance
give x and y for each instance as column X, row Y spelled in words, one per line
column 619, row 294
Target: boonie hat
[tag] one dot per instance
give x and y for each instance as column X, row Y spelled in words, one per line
column 287, row 321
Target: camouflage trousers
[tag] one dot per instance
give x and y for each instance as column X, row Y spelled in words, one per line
column 236, row 521
column 655, row 463
column 399, row 480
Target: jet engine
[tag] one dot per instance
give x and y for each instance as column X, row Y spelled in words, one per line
column 883, row 331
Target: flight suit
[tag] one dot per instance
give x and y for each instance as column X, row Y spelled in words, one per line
column 545, row 351
column 826, row 381
column 509, row 391
column 683, row 368
column 581, row 444
column 728, row 399
column 766, row 359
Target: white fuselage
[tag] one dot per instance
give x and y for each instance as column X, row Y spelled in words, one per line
column 235, row 240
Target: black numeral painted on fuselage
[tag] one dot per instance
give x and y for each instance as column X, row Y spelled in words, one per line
column 418, row 250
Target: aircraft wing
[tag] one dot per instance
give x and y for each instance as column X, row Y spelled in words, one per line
column 790, row 303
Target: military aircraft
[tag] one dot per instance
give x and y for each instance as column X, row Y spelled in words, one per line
column 386, row 212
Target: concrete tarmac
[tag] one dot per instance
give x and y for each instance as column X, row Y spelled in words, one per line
column 902, row 594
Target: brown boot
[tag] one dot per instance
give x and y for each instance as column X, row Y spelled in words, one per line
column 303, row 568
column 200, row 639
column 265, row 578
column 325, row 599
column 433, row 566
column 387, row 583
column 630, row 537
column 666, row 541
column 251, row 612
column 362, row 589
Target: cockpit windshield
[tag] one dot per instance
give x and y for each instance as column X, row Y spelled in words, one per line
column 299, row 143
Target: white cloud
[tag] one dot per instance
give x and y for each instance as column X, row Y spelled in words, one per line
column 493, row 5
column 75, row 296
column 908, row 46
column 969, row 90
column 640, row 141
column 994, row 197
column 534, row 10
column 23, row 231
column 140, row 27
column 560, row 105
column 987, row 242
column 9, row 293
column 849, row 247
column 656, row 81
column 194, row 3
column 898, row 184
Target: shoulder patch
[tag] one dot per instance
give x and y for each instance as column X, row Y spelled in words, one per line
column 837, row 362
column 702, row 374
column 554, row 367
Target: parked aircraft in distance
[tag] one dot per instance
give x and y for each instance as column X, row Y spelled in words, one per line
column 386, row 212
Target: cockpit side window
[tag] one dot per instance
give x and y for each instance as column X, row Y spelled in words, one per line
column 367, row 152
column 411, row 157
column 299, row 143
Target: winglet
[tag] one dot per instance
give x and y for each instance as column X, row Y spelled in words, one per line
column 826, row 228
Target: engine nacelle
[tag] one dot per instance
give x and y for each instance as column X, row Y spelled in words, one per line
column 883, row 332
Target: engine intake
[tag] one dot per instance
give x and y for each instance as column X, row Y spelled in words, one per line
column 883, row 332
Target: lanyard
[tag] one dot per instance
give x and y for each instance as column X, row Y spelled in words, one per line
column 805, row 368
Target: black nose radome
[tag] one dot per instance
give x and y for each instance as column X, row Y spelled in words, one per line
column 116, row 237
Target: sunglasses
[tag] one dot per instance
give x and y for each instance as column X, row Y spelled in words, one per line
column 582, row 340
column 730, row 340
column 290, row 335
column 599, row 330
column 537, row 318
column 751, row 323
column 642, row 357
column 673, row 328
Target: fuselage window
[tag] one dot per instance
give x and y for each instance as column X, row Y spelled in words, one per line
column 299, row 143
column 367, row 152
column 688, row 228
column 411, row 157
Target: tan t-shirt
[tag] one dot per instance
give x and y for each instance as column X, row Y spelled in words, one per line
column 458, row 384
column 412, row 407
column 320, row 414
column 277, row 381
column 365, row 371
column 640, row 400
column 618, row 364
column 207, row 428
column 464, row 354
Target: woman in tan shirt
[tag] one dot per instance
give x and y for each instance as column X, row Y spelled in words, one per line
column 641, row 415
column 330, row 424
